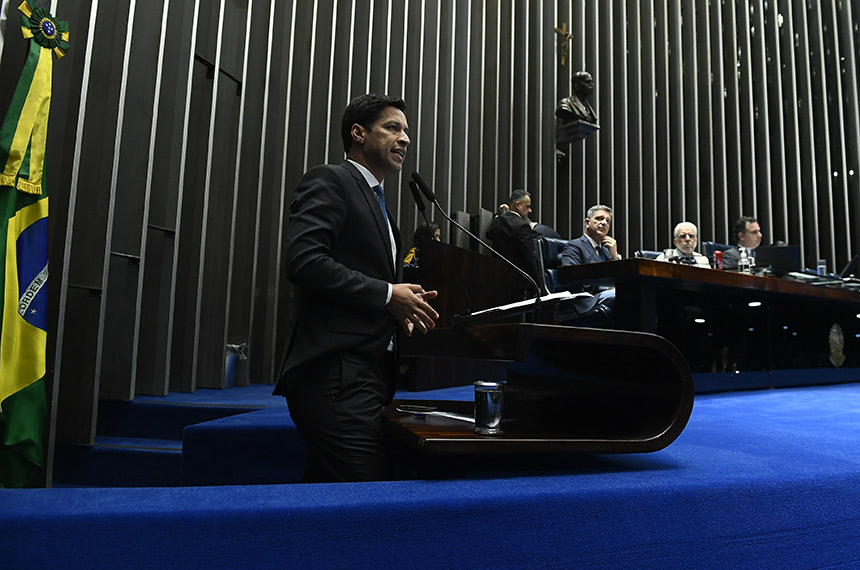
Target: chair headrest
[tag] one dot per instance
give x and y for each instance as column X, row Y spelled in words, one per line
column 551, row 249
column 647, row 253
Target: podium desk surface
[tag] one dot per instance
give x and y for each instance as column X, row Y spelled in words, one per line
column 430, row 435
column 736, row 331
column 568, row 389
column 678, row 276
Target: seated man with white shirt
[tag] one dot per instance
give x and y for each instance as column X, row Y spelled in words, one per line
column 686, row 238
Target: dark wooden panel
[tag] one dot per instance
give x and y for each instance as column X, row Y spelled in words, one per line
column 60, row 150
column 158, row 258
column 164, row 193
column 287, row 123
column 78, row 389
column 151, row 372
column 245, row 224
column 116, row 375
column 15, row 49
column 99, row 138
column 212, row 291
column 137, row 126
column 233, row 37
column 189, row 235
column 207, row 30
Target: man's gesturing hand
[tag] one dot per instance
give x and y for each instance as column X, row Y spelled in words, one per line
column 409, row 306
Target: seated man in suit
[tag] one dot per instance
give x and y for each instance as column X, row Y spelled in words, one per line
column 595, row 244
column 686, row 238
column 513, row 237
column 748, row 235
column 537, row 227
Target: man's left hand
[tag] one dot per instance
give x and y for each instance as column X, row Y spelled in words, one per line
column 410, row 307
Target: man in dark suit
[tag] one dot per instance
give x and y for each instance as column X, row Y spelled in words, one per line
column 595, row 244
column 747, row 235
column 512, row 236
column 343, row 259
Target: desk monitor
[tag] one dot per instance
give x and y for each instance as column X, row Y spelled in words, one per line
column 782, row 258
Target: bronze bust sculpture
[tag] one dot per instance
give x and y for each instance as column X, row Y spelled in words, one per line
column 575, row 107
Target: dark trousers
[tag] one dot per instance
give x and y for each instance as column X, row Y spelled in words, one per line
column 337, row 405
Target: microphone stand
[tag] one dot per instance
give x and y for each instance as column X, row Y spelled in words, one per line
column 425, row 189
column 423, row 209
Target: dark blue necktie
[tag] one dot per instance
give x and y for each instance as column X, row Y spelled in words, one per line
column 601, row 253
column 380, row 197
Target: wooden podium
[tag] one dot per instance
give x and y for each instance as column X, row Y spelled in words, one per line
column 569, row 390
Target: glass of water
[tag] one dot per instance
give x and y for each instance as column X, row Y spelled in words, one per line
column 489, row 400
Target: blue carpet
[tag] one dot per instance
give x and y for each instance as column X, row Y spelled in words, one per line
column 260, row 447
column 765, row 479
column 253, row 396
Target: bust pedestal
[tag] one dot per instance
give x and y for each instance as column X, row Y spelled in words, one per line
column 574, row 131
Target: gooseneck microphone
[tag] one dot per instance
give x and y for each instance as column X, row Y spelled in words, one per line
column 423, row 209
column 418, row 201
column 428, row 193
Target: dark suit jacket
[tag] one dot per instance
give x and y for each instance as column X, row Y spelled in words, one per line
column 579, row 251
column 339, row 260
column 545, row 231
column 513, row 237
column 731, row 257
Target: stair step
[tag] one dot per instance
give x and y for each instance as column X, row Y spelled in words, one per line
column 138, row 444
column 120, row 462
column 157, row 420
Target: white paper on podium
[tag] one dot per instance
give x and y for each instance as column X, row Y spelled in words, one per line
column 561, row 296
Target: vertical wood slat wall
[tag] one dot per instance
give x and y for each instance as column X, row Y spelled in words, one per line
column 178, row 131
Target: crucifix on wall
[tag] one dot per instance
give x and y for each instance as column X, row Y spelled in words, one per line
column 563, row 41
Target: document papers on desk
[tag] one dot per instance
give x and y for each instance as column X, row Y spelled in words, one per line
column 560, row 296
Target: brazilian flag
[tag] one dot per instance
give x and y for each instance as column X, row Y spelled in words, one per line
column 23, row 335
column 24, row 253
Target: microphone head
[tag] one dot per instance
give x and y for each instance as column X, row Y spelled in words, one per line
column 425, row 188
column 417, row 195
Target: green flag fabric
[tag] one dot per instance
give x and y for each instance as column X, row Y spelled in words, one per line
column 24, row 254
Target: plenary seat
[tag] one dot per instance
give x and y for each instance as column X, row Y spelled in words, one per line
column 646, row 253
column 550, row 254
column 599, row 315
column 709, row 247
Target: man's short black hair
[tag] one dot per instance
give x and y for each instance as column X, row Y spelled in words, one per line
column 365, row 110
column 516, row 196
column 741, row 225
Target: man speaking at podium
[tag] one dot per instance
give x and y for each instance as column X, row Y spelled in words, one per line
column 343, row 258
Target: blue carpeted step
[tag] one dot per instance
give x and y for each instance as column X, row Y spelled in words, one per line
column 262, row 446
column 256, row 448
column 119, row 462
column 158, row 419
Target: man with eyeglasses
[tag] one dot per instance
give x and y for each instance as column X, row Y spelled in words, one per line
column 686, row 238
